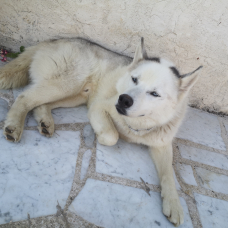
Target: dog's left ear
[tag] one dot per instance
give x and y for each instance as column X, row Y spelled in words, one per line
column 187, row 81
column 140, row 52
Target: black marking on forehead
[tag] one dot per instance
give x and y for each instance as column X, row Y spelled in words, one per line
column 154, row 59
column 175, row 71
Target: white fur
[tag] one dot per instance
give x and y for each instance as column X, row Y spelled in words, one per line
column 71, row 72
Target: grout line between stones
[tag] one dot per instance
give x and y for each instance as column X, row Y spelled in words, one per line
column 199, row 146
column 197, row 164
column 193, row 211
column 199, row 188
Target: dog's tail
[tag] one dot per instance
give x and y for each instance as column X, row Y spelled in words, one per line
column 16, row 73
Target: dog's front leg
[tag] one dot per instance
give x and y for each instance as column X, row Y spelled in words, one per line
column 162, row 157
column 103, row 126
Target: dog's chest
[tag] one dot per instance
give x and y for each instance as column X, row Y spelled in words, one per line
column 128, row 135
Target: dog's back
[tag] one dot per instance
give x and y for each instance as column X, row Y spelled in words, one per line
column 64, row 53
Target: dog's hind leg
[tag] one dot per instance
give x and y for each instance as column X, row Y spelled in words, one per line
column 29, row 99
column 43, row 116
column 44, row 119
column 162, row 157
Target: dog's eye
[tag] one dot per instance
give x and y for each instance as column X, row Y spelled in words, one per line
column 135, row 80
column 154, row 94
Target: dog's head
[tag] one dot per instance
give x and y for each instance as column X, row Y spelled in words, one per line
column 152, row 87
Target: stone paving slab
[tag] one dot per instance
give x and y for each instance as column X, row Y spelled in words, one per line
column 3, row 109
column 36, row 173
column 127, row 161
column 88, row 135
column 186, row 173
column 204, row 156
column 213, row 212
column 109, row 208
column 203, row 128
column 226, row 125
column 213, row 181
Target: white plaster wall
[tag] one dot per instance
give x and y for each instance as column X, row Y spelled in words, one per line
column 188, row 32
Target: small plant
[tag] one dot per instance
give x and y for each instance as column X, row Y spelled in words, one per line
column 5, row 54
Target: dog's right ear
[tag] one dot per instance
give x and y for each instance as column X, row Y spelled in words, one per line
column 187, row 82
column 140, row 52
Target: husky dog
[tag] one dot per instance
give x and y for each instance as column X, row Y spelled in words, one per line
column 142, row 100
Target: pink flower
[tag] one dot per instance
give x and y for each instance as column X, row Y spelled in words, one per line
column 4, row 59
column 4, row 52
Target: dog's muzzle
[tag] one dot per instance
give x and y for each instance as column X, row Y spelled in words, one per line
column 124, row 102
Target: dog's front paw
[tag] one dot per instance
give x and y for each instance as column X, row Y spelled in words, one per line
column 173, row 210
column 108, row 138
column 13, row 133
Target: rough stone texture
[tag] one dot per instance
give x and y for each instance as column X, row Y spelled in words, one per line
column 201, row 127
column 3, row 109
column 190, row 33
column 204, row 156
column 126, row 160
column 33, row 178
column 108, row 209
column 186, row 174
column 213, row 212
column 213, row 181
column 88, row 135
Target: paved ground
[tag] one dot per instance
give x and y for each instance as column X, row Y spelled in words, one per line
column 72, row 181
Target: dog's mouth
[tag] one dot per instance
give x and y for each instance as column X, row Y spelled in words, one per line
column 121, row 110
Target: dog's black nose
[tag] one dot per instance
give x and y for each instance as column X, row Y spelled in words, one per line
column 125, row 101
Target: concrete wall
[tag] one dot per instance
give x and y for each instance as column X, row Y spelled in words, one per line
column 188, row 32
